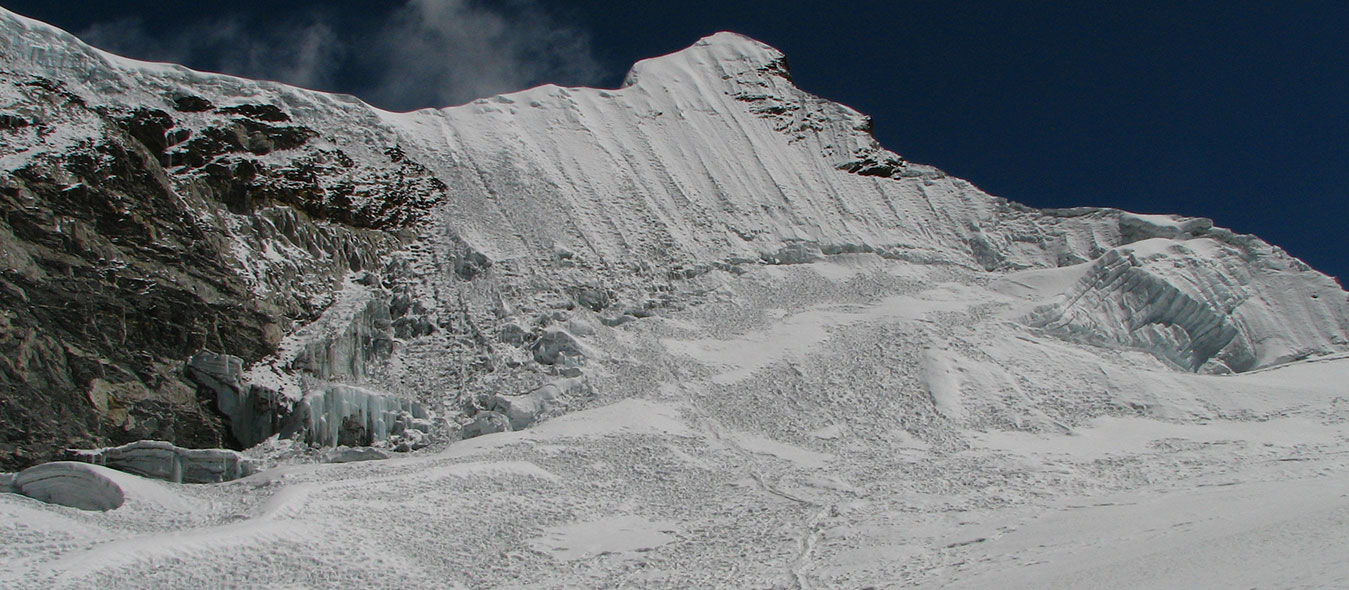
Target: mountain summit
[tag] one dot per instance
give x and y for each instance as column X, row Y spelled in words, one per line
column 156, row 211
column 707, row 268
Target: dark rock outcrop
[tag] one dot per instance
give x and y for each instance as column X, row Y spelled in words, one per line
column 191, row 104
column 107, row 278
column 261, row 112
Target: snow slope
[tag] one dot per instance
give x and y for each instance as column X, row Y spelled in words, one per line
column 832, row 467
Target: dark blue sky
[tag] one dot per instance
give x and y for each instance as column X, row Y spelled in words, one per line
column 1238, row 111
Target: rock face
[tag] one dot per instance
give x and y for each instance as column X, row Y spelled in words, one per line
column 350, row 258
column 76, row 485
column 163, row 460
column 125, row 246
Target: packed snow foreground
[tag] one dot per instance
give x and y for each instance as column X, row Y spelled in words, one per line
column 701, row 331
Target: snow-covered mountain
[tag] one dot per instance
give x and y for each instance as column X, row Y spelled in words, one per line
column 706, row 268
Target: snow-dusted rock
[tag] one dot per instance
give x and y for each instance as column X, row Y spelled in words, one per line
column 557, row 346
column 354, row 455
column 830, row 378
column 415, row 437
column 72, row 484
column 486, row 423
column 524, row 410
column 368, row 337
column 514, row 334
column 593, row 298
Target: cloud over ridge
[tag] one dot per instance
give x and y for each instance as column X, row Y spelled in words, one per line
column 422, row 53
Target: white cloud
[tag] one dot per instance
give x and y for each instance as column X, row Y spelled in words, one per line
column 424, row 53
column 304, row 53
column 452, row 51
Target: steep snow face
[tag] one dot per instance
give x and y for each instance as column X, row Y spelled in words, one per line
column 709, row 154
column 713, row 154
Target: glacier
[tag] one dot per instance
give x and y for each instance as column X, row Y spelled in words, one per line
column 705, row 311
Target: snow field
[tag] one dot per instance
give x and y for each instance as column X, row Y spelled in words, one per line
column 828, row 465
